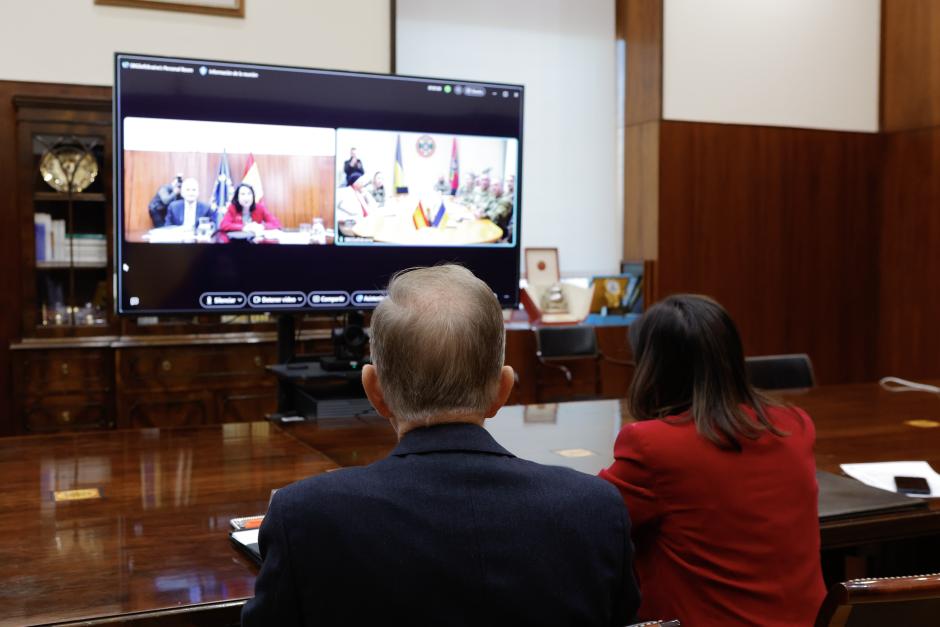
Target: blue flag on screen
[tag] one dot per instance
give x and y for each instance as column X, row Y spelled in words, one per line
column 223, row 190
column 439, row 216
column 399, row 178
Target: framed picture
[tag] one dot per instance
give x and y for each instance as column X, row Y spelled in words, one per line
column 546, row 413
column 541, row 266
column 229, row 8
column 618, row 294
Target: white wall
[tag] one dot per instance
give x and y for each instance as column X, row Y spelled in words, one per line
column 800, row 63
column 563, row 52
column 73, row 41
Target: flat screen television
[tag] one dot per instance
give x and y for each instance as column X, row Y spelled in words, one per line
column 244, row 188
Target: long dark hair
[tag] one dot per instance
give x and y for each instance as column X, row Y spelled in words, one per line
column 235, row 203
column 689, row 358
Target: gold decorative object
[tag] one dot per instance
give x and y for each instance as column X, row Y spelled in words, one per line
column 62, row 165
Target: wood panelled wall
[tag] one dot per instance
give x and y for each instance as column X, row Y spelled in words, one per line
column 909, row 329
column 640, row 28
column 780, row 225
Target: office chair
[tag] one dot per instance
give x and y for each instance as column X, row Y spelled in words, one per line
column 561, row 347
column 780, row 372
column 909, row 601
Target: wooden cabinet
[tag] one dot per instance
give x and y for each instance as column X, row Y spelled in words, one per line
column 63, row 183
column 63, row 389
column 141, row 382
column 162, row 386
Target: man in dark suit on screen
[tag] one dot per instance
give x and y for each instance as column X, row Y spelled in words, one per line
column 450, row 528
column 188, row 209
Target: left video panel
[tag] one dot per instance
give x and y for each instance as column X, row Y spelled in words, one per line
column 201, row 182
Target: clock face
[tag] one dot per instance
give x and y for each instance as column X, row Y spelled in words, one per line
column 612, row 286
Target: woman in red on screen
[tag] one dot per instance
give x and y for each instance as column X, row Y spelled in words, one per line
column 244, row 214
column 719, row 481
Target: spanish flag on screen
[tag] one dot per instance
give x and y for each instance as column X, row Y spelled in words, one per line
column 420, row 220
column 400, row 186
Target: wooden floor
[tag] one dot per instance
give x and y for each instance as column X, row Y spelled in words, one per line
column 154, row 539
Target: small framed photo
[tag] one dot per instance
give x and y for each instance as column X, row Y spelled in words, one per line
column 228, row 8
column 613, row 294
column 541, row 266
column 546, row 413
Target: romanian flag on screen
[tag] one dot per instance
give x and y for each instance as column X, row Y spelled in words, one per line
column 440, row 218
column 400, row 186
column 454, row 169
column 252, row 177
column 420, row 220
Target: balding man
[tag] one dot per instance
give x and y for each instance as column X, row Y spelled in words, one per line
column 188, row 209
column 450, row 528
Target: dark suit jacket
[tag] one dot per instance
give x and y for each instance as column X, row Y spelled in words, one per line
column 450, row 529
column 177, row 209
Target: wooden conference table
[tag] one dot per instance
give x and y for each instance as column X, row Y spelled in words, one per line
column 153, row 544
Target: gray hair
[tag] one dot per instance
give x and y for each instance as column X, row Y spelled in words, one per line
column 438, row 343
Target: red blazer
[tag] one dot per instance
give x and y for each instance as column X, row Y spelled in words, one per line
column 723, row 538
column 232, row 220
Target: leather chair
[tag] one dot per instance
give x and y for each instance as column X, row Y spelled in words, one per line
column 563, row 347
column 909, row 601
column 780, row 372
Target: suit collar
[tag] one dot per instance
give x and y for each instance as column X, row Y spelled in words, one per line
column 459, row 436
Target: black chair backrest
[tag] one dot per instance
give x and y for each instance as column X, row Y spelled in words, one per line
column 566, row 342
column 909, row 601
column 780, row 372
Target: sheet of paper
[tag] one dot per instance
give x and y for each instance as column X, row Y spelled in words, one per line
column 246, row 537
column 881, row 474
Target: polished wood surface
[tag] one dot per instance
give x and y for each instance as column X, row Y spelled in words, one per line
column 157, row 538
column 866, row 423
column 910, row 65
column 911, row 601
column 780, row 226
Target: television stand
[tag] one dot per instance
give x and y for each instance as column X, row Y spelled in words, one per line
column 316, row 393
column 321, row 387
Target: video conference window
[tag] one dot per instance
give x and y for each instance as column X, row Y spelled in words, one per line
column 424, row 189
column 246, row 187
column 198, row 182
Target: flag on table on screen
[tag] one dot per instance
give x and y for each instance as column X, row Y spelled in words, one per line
column 418, row 218
column 223, row 190
column 400, row 186
column 454, row 169
column 440, row 218
column 252, row 177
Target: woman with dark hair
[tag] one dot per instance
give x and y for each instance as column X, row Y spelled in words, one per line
column 719, row 481
column 244, row 214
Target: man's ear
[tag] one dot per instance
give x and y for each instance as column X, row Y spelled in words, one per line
column 370, row 383
column 507, row 378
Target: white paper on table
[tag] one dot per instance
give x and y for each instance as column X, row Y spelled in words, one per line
column 881, row 474
column 246, row 537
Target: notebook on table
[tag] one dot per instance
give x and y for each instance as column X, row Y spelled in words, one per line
column 844, row 497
